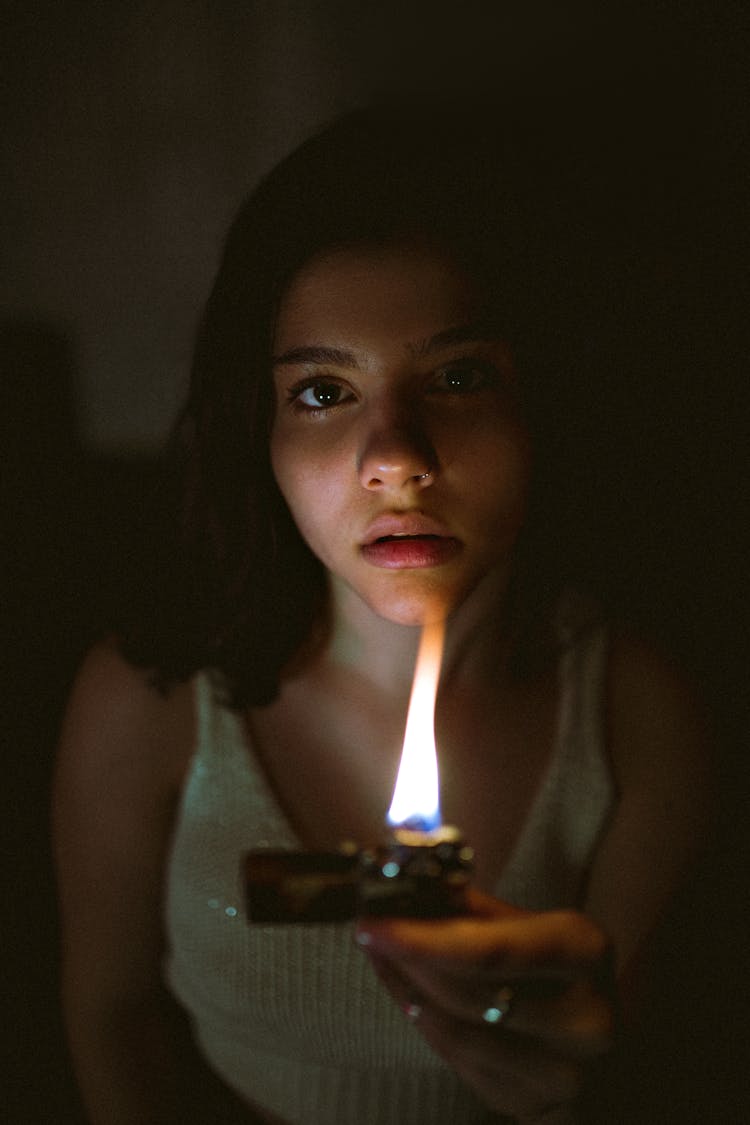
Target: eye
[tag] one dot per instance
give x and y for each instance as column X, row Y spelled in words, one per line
column 464, row 377
column 318, row 394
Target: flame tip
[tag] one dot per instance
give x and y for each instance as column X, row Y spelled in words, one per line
column 416, row 795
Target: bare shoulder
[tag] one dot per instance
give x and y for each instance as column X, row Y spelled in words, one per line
column 658, row 731
column 118, row 721
column 659, row 749
column 123, row 753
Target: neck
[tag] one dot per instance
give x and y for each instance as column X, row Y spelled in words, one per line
column 385, row 652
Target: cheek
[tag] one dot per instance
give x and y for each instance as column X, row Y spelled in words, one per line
column 518, row 469
column 518, row 485
column 499, row 471
column 287, row 461
column 289, row 478
column 308, row 490
column 306, row 459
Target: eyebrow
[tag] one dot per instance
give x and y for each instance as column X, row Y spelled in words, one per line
column 476, row 332
column 340, row 357
column 334, row 356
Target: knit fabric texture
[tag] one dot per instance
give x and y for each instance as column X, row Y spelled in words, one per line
column 292, row 1017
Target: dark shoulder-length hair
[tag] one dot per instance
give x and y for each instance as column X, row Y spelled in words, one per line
column 230, row 584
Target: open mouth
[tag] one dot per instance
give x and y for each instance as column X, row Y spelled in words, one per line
column 400, row 538
column 400, row 552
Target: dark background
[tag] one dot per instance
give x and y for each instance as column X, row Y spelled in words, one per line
column 130, row 134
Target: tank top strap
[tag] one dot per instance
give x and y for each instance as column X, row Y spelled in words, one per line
column 224, row 770
column 554, row 851
column 584, row 643
column 203, row 698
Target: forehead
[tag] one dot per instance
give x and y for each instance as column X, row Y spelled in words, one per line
column 403, row 293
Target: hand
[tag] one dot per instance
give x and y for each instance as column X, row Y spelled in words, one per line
column 548, row 977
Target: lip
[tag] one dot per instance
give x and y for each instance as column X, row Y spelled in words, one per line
column 404, row 523
column 409, row 541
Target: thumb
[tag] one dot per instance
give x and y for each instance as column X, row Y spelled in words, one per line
column 482, row 905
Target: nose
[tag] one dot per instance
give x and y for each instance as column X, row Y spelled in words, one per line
column 396, row 454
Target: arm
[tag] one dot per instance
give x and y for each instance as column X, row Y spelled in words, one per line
column 123, row 753
column 659, row 750
column 533, row 1064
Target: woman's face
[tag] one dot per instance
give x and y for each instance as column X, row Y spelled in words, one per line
column 397, row 441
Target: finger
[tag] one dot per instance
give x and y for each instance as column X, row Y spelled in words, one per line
column 482, row 905
column 574, row 1019
column 555, row 943
column 403, row 991
column 511, row 1075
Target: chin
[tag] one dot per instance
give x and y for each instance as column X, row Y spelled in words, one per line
column 413, row 616
column 426, row 605
column 424, row 608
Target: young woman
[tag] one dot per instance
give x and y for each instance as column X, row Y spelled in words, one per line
column 368, row 448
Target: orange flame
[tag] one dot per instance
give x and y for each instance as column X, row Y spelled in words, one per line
column 416, row 797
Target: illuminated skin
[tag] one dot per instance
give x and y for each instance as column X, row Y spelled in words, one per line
column 384, row 373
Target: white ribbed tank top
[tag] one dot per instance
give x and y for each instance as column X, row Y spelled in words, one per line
column 292, row 1017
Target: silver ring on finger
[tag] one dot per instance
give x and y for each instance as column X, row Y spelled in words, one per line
column 500, row 1006
column 412, row 1010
